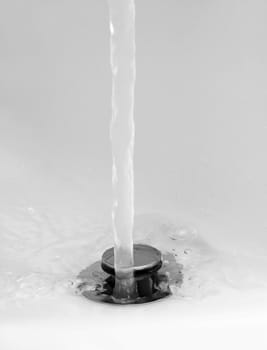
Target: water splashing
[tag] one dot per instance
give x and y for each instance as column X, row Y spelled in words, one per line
column 122, row 44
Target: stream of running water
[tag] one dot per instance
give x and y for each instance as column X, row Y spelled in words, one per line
column 122, row 46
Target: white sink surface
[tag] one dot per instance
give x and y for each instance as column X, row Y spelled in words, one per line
column 200, row 172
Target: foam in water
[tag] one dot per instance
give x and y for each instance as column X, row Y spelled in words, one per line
column 122, row 31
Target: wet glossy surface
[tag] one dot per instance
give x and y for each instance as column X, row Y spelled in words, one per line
column 200, row 172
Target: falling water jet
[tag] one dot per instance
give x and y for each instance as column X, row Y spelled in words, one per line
column 122, row 47
column 128, row 273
